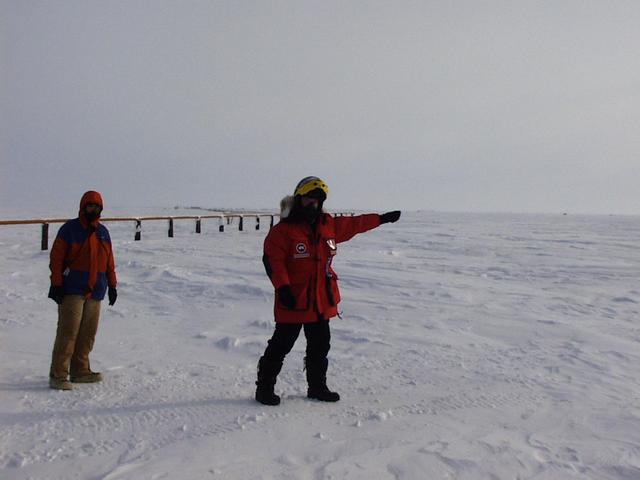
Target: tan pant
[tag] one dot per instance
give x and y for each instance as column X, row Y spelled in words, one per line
column 77, row 327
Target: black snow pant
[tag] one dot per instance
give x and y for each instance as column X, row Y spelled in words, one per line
column 284, row 337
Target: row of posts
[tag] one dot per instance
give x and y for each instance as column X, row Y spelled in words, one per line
column 138, row 234
column 199, row 226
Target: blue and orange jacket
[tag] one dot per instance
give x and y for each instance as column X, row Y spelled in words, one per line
column 81, row 257
column 299, row 255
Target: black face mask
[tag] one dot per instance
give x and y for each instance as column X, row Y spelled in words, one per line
column 91, row 216
column 310, row 213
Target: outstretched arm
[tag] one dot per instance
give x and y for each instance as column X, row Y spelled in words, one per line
column 348, row 227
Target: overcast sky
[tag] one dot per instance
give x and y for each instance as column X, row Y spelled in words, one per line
column 519, row 106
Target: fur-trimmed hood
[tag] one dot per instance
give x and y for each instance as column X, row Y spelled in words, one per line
column 286, row 206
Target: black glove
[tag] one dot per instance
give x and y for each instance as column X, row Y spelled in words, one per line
column 56, row 294
column 113, row 295
column 286, row 298
column 390, row 217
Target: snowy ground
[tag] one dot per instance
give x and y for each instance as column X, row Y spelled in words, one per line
column 472, row 347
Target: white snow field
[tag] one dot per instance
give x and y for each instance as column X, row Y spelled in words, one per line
column 472, row 346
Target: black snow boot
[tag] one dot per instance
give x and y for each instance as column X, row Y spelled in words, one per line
column 267, row 374
column 317, row 381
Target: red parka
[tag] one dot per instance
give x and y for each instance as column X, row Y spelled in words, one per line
column 299, row 254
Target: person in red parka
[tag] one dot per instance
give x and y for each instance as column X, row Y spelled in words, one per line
column 82, row 272
column 298, row 252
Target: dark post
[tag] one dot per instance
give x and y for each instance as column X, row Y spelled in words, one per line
column 45, row 236
column 138, row 230
column 221, row 225
column 199, row 225
column 257, row 223
column 271, row 224
column 171, row 228
column 241, row 226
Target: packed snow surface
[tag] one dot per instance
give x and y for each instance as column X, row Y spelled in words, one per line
column 472, row 346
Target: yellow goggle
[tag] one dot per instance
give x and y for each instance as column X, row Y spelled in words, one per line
column 308, row 184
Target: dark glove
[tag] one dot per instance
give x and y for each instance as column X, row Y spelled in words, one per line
column 56, row 294
column 286, row 298
column 113, row 295
column 390, row 217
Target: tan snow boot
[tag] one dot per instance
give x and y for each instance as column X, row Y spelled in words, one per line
column 60, row 384
column 92, row 377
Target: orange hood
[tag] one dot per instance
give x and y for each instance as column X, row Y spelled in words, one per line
column 90, row 197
